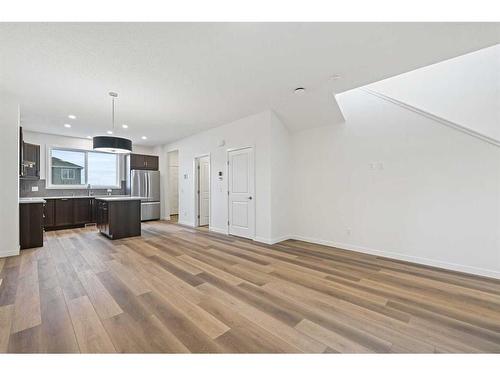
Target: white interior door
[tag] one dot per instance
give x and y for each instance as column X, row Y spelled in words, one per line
column 241, row 184
column 204, row 190
column 173, row 183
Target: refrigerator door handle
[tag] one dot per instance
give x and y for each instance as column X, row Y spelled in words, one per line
column 149, row 185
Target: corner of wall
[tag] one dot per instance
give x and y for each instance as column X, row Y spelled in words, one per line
column 9, row 165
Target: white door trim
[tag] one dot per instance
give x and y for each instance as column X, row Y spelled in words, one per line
column 196, row 164
column 254, row 187
column 167, row 180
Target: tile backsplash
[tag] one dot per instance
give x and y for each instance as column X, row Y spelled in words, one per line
column 26, row 185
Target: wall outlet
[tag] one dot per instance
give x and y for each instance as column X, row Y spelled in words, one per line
column 34, row 188
column 377, row 165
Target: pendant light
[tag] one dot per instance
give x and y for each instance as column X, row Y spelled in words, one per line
column 115, row 145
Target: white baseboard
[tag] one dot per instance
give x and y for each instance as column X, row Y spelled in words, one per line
column 186, row 223
column 408, row 258
column 272, row 241
column 365, row 250
column 217, row 230
column 9, row 253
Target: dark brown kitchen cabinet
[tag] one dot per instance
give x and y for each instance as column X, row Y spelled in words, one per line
column 49, row 213
column 64, row 212
column 69, row 212
column 93, row 210
column 119, row 219
column 102, row 219
column 152, row 162
column 137, row 161
column 30, row 164
column 144, row 162
column 81, row 211
column 31, row 225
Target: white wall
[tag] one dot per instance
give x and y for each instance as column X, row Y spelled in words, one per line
column 9, row 169
column 252, row 131
column 433, row 196
column 464, row 90
column 48, row 140
column 281, row 182
column 271, row 141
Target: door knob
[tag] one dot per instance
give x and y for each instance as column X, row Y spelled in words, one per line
column 250, row 198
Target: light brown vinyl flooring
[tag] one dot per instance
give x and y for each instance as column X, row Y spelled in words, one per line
column 181, row 290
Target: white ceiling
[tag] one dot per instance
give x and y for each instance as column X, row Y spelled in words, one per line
column 464, row 90
column 175, row 79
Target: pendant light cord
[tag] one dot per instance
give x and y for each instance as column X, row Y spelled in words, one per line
column 113, row 111
column 113, row 95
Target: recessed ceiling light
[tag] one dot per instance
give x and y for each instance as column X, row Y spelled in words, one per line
column 109, row 132
column 72, row 117
column 299, row 90
column 67, row 125
column 125, row 126
column 144, row 137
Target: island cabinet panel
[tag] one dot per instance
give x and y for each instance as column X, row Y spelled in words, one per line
column 119, row 219
column 31, row 225
column 102, row 220
column 49, row 213
column 93, row 210
column 82, row 211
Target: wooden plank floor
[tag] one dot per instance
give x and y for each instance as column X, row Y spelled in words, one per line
column 180, row 290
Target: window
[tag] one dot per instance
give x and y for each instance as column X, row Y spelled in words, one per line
column 78, row 168
column 102, row 169
column 67, row 174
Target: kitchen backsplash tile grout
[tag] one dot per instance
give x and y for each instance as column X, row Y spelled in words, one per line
column 26, row 185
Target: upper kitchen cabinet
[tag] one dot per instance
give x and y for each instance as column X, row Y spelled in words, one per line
column 144, row 162
column 30, row 161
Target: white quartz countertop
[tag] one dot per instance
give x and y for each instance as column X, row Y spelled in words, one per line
column 31, row 200
column 117, row 198
column 82, row 196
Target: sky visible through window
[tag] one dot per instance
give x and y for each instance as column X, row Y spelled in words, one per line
column 102, row 167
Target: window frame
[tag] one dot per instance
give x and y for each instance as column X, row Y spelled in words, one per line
column 50, row 185
column 67, row 170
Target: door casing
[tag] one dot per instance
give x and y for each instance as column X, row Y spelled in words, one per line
column 197, row 188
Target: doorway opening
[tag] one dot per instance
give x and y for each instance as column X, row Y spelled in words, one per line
column 202, row 191
column 173, row 185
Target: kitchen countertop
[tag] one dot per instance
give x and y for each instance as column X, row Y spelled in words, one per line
column 78, row 196
column 31, row 200
column 118, row 199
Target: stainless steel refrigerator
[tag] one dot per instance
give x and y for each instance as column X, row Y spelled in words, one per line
column 146, row 184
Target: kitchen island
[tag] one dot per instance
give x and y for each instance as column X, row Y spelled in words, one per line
column 119, row 217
